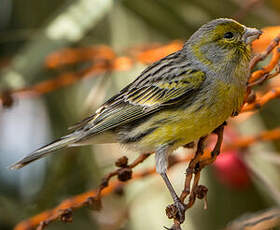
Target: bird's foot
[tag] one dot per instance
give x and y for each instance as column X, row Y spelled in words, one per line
column 176, row 211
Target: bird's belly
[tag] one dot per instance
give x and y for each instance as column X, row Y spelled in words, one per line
column 185, row 128
column 182, row 126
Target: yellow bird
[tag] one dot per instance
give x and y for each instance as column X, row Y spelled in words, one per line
column 176, row 100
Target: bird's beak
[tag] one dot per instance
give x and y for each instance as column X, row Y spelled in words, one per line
column 250, row 35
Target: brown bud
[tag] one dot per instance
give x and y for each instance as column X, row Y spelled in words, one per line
column 125, row 174
column 201, row 191
column 122, row 162
column 66, row 216
column 171, row 211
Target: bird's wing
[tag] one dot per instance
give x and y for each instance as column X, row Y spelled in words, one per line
column 161, row 85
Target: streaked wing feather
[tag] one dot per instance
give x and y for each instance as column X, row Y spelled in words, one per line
column 118, row 117
column 166, row 92
column 150, row 92
column 81, row 123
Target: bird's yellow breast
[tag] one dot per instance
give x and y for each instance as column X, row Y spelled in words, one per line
column 181, row 126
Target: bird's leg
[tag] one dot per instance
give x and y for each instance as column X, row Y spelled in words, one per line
column 179, row 212
column 176, row 211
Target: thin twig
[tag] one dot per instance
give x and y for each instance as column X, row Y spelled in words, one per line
column 259, row 102
column 268, row 50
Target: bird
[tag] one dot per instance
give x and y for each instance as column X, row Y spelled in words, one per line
column 174, row 101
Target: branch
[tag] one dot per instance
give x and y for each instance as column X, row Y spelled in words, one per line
column 268, row 50
column 64, row 210
column 258, row 103
column 103, row 60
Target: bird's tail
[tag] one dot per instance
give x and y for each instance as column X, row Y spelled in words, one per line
column 41, row 152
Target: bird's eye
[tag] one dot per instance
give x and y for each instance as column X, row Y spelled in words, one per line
column 228, row 35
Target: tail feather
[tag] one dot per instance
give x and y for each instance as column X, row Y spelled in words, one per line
column 41, row 152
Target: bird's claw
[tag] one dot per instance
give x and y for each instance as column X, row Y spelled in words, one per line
column 176, row 211
column 181, row 211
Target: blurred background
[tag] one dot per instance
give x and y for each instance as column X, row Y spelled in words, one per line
column 60, row 48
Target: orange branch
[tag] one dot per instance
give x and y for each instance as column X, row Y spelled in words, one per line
column 103, row 60
column 70, row 56
column 268, row 50
column 65, row 79
column 271, row 94
column 266, row 69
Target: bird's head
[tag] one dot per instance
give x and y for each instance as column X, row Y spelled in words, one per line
column 222, row 40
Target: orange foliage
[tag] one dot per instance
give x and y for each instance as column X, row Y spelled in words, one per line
column 269, row 33
column 154, row 54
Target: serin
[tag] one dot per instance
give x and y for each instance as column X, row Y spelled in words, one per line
column 175, row 101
